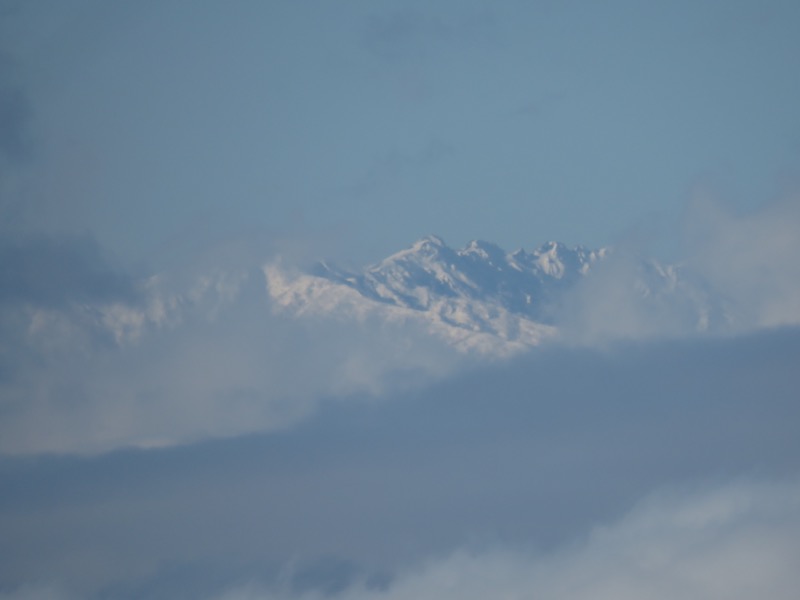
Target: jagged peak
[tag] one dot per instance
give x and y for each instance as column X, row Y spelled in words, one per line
column 483, row 245
column 482, row 248
column 425, row 247
column 428, row 241
column 551, row 247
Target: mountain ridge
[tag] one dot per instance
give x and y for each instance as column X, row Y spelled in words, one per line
column 478, row 297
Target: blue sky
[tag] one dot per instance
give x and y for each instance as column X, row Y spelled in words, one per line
column 358, row 127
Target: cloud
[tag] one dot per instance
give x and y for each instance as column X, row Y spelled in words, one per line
column 629, row 297
column 737, row 273
column 15, row 106
column 749, row 260
column 15, row 113
column 520, row 459
column 54, row 271
column 735, row 542
column 16, row 140
column 93, row 359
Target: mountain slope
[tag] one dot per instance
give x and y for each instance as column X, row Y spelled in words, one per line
column 476, row 298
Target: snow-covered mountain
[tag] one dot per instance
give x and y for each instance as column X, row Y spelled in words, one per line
column 479, row 298
column 476, row 298
column 430, row 272
column 482, row 298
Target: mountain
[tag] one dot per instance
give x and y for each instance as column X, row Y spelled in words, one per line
column 477, row 298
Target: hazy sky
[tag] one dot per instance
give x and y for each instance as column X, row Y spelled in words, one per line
column 164, row 434
column 361, row 126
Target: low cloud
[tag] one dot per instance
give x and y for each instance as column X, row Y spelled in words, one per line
column 93, row 359
column 522, row 466
column 55, row 271
column 735, row 542
column 14, row 115
column 628, row 297
column 738, row 273
column 749, row 260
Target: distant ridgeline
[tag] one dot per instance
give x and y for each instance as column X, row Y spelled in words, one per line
column 479, row 298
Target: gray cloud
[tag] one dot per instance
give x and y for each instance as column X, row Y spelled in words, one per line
column 520, row 460
column 196, row 353
column 15, row 113
column 733, row 542
column 15, row 106
column 16, row 137
column 53, row 271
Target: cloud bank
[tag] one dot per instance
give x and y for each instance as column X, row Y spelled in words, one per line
column 749, row 260
column 94, row 359
column 511, row 465
column 737, row 273
column 735, row 542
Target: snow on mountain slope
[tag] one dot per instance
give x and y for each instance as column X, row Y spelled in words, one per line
column 478, row 298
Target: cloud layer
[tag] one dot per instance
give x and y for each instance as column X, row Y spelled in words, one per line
column 735, row 542
column 736, row 273
column 93, row 359
column 505, row 466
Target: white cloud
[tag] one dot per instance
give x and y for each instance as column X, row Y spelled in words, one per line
column 178, row 363
column 737, row 273
column 91, row 360
column 750, row 260
column 740, row 541
column 627, row 297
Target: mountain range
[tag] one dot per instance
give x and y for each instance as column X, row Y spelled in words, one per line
column 477, row 298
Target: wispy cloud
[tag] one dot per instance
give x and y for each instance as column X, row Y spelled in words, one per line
column 54, row 271
column 750, row 260
column 94, row 359
column 734, row 542
column 737, row 273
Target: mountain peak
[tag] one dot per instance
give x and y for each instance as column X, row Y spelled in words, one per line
column 429, row 275
column 486, row 251
column 470, row 296
column 550, row 247
column 429, row 241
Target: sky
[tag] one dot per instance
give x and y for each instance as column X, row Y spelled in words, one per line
column 166, row 433
column 357, row 127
